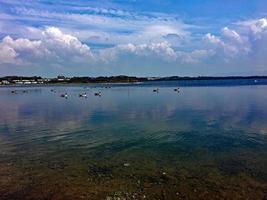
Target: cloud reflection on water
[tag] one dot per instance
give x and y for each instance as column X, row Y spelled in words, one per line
column 122, row 111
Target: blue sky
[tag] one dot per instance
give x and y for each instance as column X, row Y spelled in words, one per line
column 143, row 38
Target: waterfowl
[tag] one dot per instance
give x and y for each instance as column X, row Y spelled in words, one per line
column 98, row 94
column 64, row 95
column 156, row 90
column 176, row 89
column 13, row 91
column 82, row 95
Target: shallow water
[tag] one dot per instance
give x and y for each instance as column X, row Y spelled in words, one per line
column 132, row 143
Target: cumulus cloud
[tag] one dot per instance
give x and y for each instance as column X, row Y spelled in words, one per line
column 19, row 50
column 244, row 44
column 230, row 44
column 57, row 48
column 196, row 56
column 243, row 41
column 54, row 46
column 64, row 45
column 7, row 53
column 231, row 35
column 255, row 27
column 162, row 50
column 159, row 51
column 60, row 49
column 212, row 39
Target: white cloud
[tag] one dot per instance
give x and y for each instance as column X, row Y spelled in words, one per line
column 16, row 51
column 254, row 26
column 230, row 45
column 103, row 11
column 7, row 53
column 161, row 50
column 53, row 47
column 212, row 39
column 64, row 44
column 122, row 28
column 231, row 35
column 196, row 56
column 244, row 43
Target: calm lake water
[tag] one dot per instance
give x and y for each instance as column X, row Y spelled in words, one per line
column 206, row 142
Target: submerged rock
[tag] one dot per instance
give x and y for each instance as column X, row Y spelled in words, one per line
column 57, row 165
column 99, row 172
column 126, row 164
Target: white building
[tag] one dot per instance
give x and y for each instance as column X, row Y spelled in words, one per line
column 5, row 82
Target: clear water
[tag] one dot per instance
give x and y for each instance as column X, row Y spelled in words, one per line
column 132, row 143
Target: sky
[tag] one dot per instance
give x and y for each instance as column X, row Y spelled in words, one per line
column 134, row 37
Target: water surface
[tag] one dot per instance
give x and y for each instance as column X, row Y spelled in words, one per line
column 206, row 142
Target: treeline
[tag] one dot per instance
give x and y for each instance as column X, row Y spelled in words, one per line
column 12, row 78
column 105, row 79
column 119, row 79
column 174, row 78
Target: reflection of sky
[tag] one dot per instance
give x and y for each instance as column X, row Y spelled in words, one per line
column 128, row 112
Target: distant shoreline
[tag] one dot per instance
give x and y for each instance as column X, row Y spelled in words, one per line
column 61, row 80
column 69, row 84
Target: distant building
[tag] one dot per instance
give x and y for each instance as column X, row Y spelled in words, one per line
column 40, row 81
column 25, row 81
column 153, row 78
column 46, row 79
column 5, row 82
column 62, row 78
